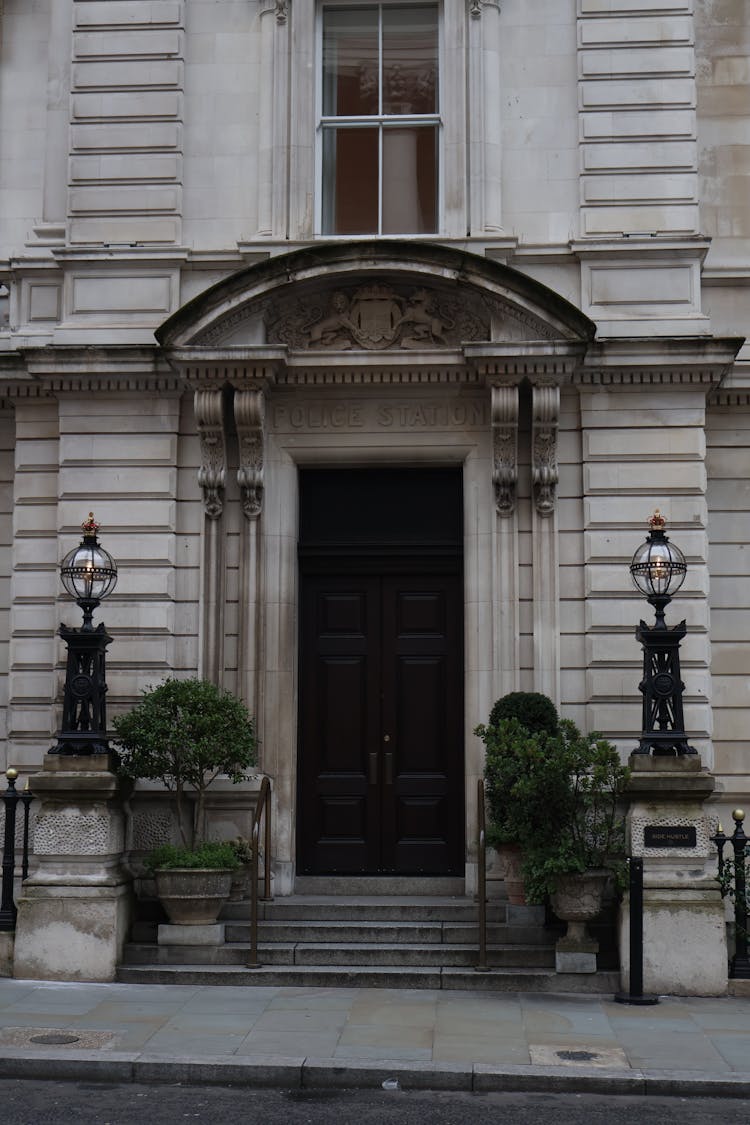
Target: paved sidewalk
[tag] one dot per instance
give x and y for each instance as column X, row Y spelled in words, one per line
column 318, row 1037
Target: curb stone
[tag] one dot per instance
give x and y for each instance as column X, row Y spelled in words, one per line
column 310, row 1073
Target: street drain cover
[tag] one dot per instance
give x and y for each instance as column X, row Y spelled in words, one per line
column 54, row 1039
column 577, row 1054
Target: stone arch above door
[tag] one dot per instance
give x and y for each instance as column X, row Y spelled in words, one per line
column 375, row 296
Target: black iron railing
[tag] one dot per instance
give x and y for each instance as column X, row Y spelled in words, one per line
column 11, row 797
column 481, row 965
column 733, row 876
column 262, row 813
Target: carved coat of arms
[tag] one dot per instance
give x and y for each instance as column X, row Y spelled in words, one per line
column 378, row 316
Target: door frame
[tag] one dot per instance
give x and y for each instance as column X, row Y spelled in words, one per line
column 377, row 569
column 487, row 608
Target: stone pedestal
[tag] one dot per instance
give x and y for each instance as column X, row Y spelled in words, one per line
column 74, row 911
column 684, row 932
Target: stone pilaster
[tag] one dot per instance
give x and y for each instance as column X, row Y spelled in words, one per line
column 74, row 910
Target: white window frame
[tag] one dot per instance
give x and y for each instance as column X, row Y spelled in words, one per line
column 378, row 121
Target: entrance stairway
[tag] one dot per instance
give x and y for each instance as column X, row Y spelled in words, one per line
column 339, row 933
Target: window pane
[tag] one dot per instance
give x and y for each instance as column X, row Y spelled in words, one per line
column 410, row 59
column 350, row 181
column 410, row 181
column 350, row 62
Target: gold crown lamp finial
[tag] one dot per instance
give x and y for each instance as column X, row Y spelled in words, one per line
column 90, row 526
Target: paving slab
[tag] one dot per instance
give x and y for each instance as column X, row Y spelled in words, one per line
column 291, row 1037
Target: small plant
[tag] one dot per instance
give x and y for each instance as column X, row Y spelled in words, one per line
column 212, row 853
column 243, row 849
column 185, row 733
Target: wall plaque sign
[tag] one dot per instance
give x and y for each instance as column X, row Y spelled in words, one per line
column 669, row 836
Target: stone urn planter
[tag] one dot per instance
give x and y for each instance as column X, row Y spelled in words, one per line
column 578, row 898
column 193, row 896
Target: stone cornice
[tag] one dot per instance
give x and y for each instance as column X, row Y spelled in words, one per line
column 40, row 372
column 200, row 366
column 703, row 360
column 558, row 360
column 738, row 397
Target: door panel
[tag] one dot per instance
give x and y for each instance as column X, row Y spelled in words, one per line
column 381, row 756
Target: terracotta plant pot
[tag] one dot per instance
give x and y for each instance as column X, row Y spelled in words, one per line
column 193, row 896
column 509, row 860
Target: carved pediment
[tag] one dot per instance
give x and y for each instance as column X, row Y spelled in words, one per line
column 376, row 316
column 382, row 295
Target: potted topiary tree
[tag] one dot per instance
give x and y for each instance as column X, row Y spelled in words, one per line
column 582, row 849
column 185, row 733
column 515, row 737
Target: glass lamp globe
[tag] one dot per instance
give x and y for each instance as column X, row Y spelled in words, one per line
column 658, row 567
column 88, row 572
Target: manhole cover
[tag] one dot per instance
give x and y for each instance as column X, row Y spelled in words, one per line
column 576, row 1056
column 54, row 1040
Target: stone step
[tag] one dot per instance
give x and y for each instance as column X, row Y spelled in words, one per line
column 335, row 955
column 365, row 931
column 390, row 908
column 368, row 976
column 383, row 886
column 457, row 933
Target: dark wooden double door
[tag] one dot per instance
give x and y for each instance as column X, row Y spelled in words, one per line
column 381, row 721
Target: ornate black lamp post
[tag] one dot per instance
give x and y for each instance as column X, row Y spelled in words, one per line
column 658, row 570
column 89, row 574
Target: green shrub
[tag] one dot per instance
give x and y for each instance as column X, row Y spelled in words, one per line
column 552, row 790
column 533, row 710
column 586, row 829
column 523, row 783
column 185, row 733
column 212, row 853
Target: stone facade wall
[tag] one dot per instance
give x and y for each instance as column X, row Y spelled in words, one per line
column 728, row 463
column 151, row 149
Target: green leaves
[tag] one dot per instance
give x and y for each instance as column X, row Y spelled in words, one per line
column 185, row 733
column 556, row 794
column 213, row 853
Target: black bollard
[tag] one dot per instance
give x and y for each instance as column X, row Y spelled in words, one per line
column 636, row 994
column 8, row 910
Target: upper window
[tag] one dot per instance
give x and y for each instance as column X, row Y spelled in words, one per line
column 379, row 119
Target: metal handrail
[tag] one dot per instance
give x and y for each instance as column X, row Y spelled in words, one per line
column 481, row 965
column 262, row 811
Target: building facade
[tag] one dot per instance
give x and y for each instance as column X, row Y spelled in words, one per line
column 372, row 334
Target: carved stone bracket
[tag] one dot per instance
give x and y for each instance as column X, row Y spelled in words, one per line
column 505, row 447
column 282, row 11
column 545, row 417
column 209, row 416
column 249, row 415
column 475, row 8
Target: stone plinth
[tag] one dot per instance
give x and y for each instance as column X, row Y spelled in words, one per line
column 74, row 911
column 684, row 932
